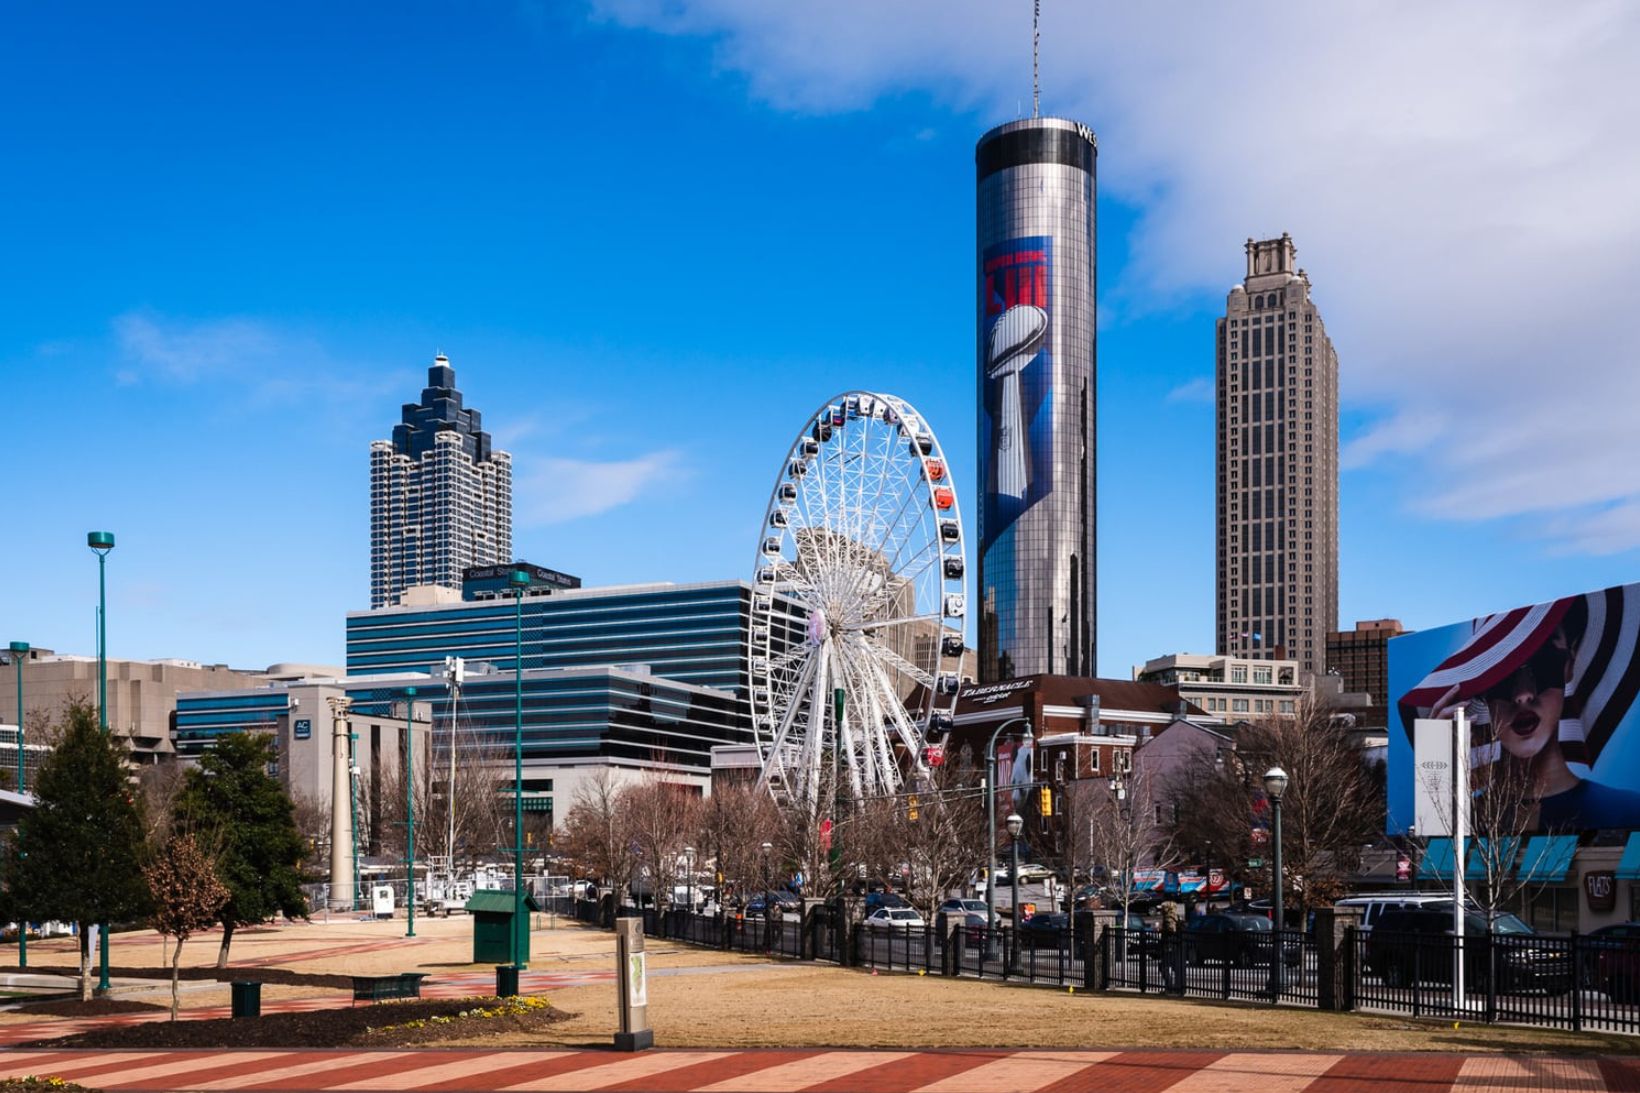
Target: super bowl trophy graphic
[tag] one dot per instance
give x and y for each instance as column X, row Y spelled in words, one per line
column 1015, row 339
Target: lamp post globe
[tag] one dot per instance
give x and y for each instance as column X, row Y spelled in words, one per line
column 1275, row 786
column 1016, row 824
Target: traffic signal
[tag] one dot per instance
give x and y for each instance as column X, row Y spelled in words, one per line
column 1046, row 802
column 911, row 811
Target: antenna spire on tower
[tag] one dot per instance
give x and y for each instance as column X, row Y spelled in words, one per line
column 1036, row 48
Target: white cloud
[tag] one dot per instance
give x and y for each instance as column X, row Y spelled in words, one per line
column 1458, row 179
column 560, row 489
column 1199, row 389
column 184, row 352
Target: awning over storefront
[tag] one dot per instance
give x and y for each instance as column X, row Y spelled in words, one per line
column 1629, row 867
column 1480, row 856
column 1548, row 859
column 1437, row 860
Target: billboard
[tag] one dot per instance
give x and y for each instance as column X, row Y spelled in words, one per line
column 1016, row 412
column 1549, row 689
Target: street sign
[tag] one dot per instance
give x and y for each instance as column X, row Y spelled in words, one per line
column 1255, row 863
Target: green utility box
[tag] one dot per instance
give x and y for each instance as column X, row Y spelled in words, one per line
column 492, row 913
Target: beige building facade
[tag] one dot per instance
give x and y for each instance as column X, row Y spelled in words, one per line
column 1232, row 688
column 1277, row 461
column 142, row 694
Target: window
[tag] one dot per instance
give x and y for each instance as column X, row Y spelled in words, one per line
column 1262, row 675
column 1239, row 705
column 1238, row 673
column 1287, row 705
column 1093, row 762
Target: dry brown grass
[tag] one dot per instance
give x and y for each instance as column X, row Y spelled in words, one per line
column 746, row 1002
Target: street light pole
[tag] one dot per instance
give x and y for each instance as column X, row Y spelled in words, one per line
column 101, row 542
column 410, row 808
column 991, row 826
column 519, row 580
column 19, row 650
column 1015, row 824
column 1275, row 784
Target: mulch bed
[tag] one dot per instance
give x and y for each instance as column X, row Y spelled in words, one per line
column 273, row 977
column 385, row 1024
column 40, row 1085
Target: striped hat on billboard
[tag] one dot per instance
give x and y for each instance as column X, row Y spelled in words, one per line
column 1603, row 629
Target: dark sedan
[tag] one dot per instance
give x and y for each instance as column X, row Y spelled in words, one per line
column 1242, row 940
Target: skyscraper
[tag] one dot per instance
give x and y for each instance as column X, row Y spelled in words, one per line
column 440, row 496
column 1277, row 387
column 1035, row 256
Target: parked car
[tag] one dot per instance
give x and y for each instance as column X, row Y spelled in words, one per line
column 884, row 898
column 1046, row 930
column 784, row 903
column 1373, row 905
column 893, row 918
column 1611, row 961
column 1407, row 947
column 1243, row 940
column 963, row 907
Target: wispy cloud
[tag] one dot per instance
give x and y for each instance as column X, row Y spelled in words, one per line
column 560, row 489
column 1199, row 389
column 1460, row 196
column 272, row 363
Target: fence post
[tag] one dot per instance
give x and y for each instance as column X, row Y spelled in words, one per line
column 1104, row 957
column 1576, row 958
column 1352, row 964
column 1334, row 939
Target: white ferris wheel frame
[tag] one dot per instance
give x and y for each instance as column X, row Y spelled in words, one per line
column 867, row 468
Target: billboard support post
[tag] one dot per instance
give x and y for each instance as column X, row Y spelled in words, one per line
column 1460, row 859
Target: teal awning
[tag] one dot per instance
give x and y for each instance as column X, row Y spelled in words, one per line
column 1548, row 859
column 1437, row 860
column 1480, row 850
column 1629, row 867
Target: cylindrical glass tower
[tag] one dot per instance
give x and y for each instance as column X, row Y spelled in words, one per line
column 1036, row 399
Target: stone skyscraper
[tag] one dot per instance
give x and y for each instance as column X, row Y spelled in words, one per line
column 1277, row 395
column 440, row 496
column 1035, row 259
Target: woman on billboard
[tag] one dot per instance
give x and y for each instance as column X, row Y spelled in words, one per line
column 1546, row 687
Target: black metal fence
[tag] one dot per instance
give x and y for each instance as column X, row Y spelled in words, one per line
column 1575, row 982
column 1255, row 966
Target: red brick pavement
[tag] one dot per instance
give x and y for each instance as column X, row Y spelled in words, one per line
column 817, row 1070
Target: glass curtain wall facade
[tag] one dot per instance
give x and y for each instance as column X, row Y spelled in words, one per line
column 692, row 633
column 440, row 495
column 1037, row 399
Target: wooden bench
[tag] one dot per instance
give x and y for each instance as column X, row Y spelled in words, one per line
column 377, row 988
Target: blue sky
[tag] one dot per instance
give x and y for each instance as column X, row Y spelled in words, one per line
column 651, row 237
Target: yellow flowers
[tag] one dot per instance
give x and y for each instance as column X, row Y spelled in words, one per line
column 489, row 1010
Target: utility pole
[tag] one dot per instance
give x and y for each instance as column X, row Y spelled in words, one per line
column 342, row 878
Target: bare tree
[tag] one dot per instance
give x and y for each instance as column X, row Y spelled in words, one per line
column 1126, row 832
column 732, row 825
column 157, row 789
column 187, row 895
column 597, row 836
column 661, row 817
column 943, row 837
column 1331, row 810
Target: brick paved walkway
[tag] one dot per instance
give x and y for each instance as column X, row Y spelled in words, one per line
column 822, row 1071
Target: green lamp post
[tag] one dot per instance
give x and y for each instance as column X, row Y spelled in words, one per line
column 101, row 542
column 519, row 582
column 410, row 809
column 19, row 650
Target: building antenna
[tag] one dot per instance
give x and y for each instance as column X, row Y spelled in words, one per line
column 1036, row 48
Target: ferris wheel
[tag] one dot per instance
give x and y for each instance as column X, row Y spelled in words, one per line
column 863, row 531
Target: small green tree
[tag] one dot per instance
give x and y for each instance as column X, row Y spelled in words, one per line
column 187, row 896
column 77, row 855
column 251, row 819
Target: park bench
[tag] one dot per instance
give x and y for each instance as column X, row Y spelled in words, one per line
column 377, row 988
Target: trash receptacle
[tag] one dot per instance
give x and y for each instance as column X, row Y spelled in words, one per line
column 506, row 980
column 247, row 998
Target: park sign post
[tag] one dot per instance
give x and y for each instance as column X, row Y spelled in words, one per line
column 632, row 981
